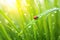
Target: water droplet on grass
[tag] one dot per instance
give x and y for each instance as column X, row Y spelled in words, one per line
column 59, row 37
column 53, row 23
column 55, row 11
column 37, row 33
column 0, row 21
column 53, row 26
column 24, row 23
column 59, row 10
column 52, row 15
column 6, row 20
column 14, row 38
column 31, row 7
column 44, row 33
column 34, row 23
column 25, row 14
column 6, row 13
column 12, row 29
column 39, row 16
column 29, row 27
column 13, row 21
column 20, row 33
column 23, row 38
column 16, row 32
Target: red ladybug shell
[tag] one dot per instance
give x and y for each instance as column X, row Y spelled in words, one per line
column 35, row 17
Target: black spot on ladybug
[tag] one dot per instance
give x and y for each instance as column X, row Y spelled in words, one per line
column 35, row 17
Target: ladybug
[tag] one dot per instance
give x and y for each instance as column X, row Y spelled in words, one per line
column 35, row 17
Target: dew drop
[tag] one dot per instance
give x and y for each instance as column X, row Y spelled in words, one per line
column 59, row 10
column 23, row 38
column 52, row 15
column 31, row 35
column 16, row 32
column 44, row 33
column 29, row 27
column 53, row 23
column 34, row 23
column 41, row 1
column 6, row 13
column 59, row 37
column 24, row 23
column 31, row 7
column 17, row 26
column 14, row 38
column 0, row 21
column 20, row 33
column 6, row 20
column 37, row 33
column 25, row 14
column 12, row 29
column 13, row 21
column 28, row 5
column 39, row 16
column 53, row 27
column 55, row 11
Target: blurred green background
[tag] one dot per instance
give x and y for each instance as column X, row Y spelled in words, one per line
column 17, row 20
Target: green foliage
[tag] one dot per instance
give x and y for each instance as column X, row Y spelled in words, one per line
column 23, row 26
